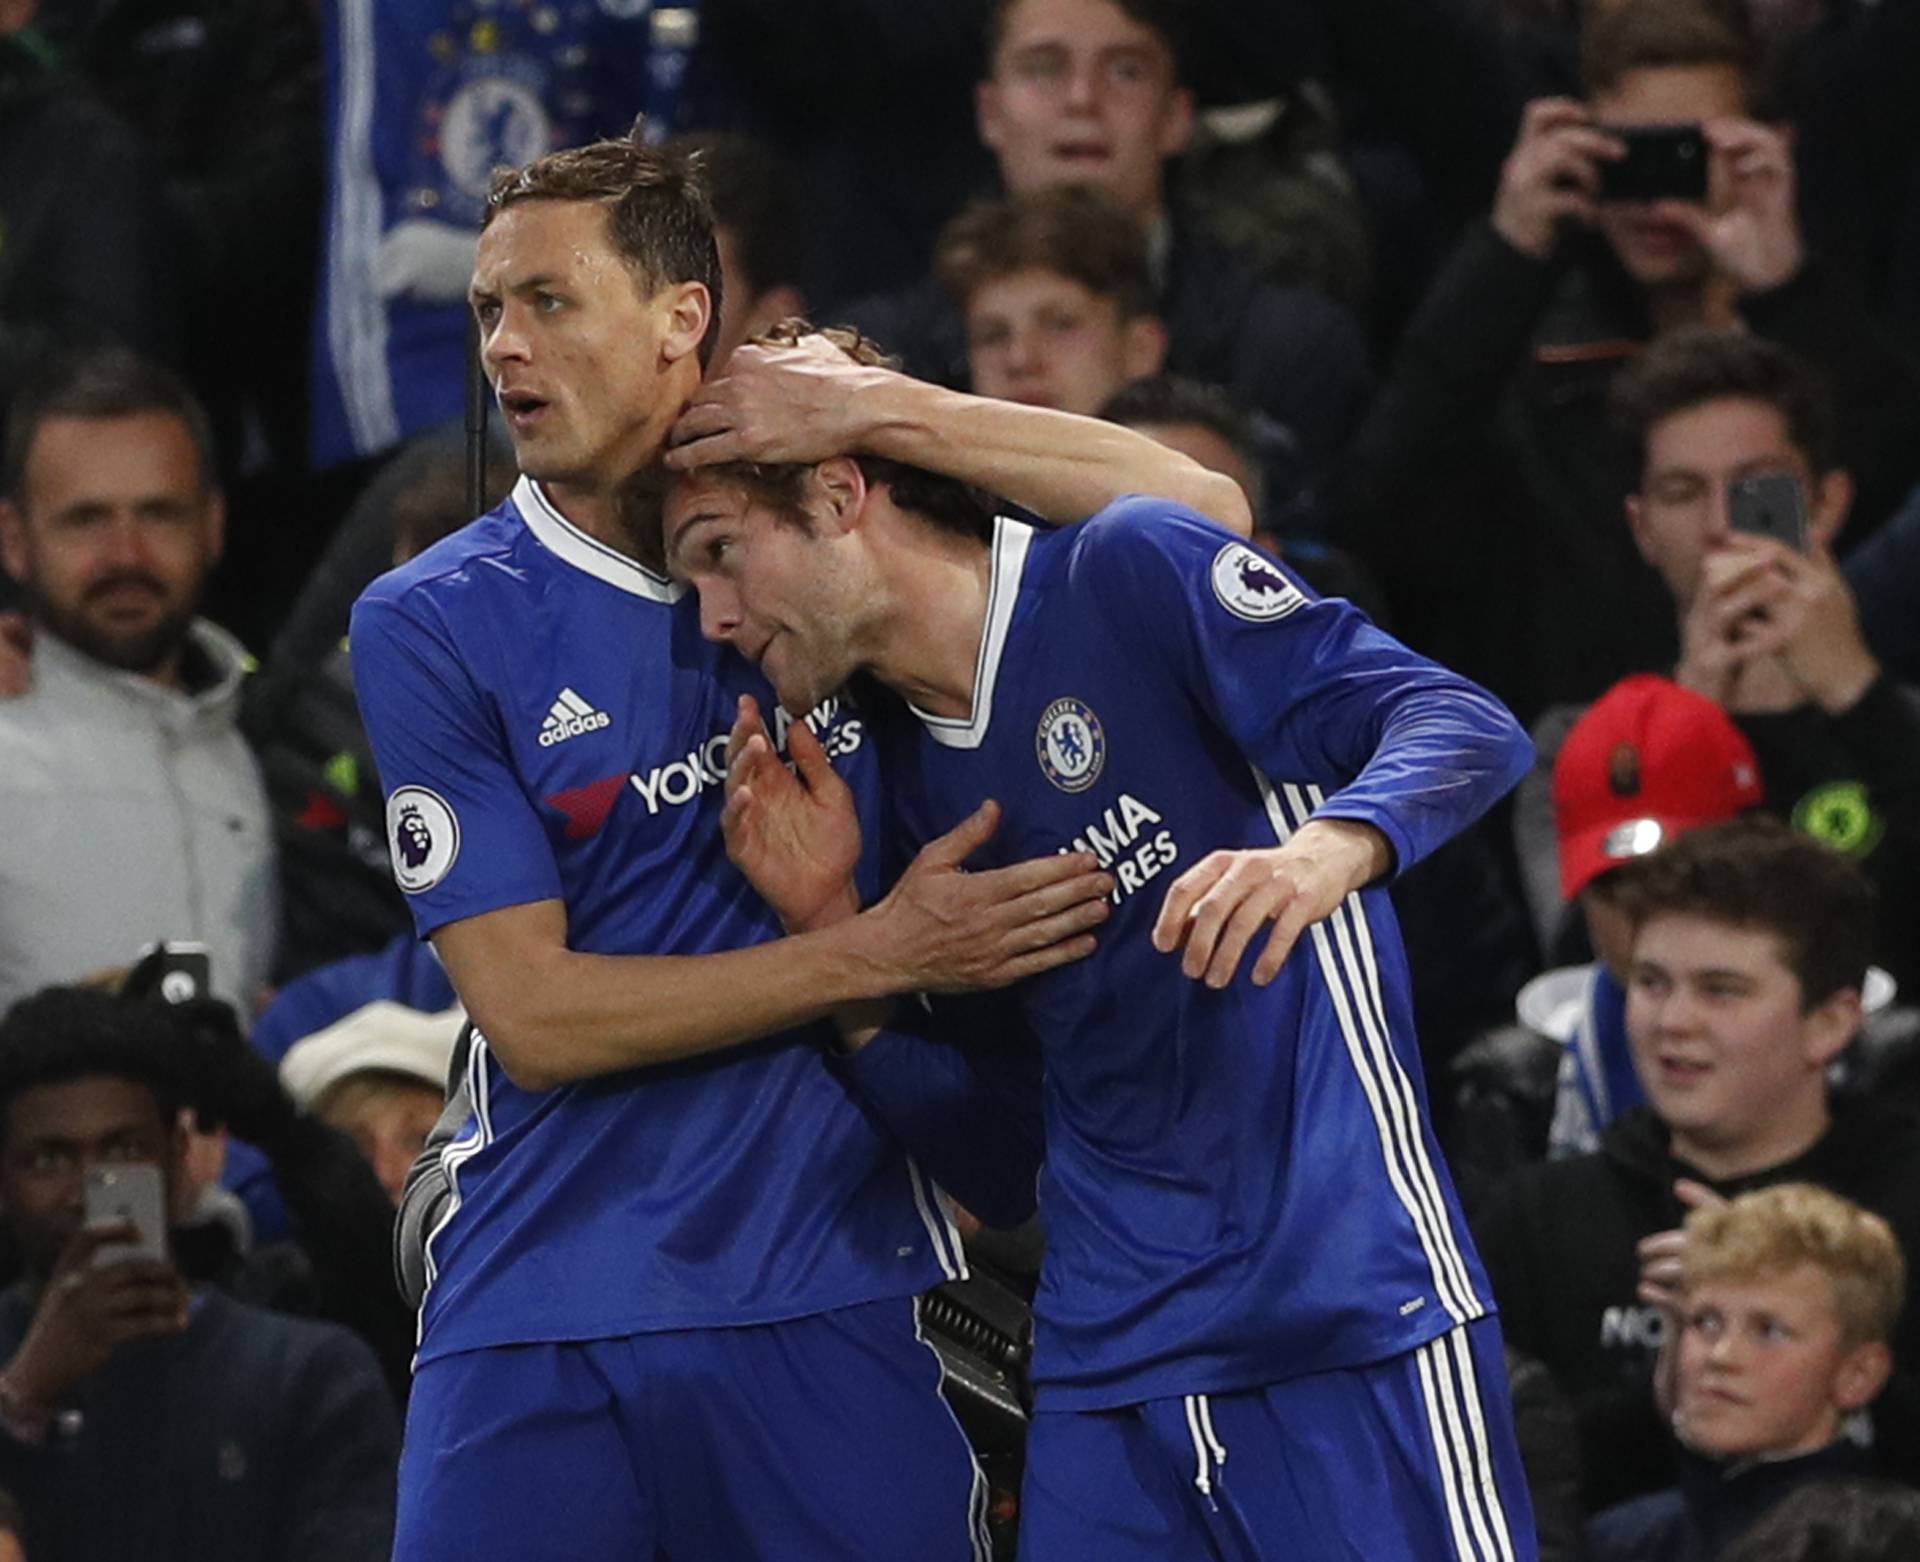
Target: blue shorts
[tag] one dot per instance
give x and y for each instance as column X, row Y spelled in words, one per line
column 1406, row 1460
column 820, row 1438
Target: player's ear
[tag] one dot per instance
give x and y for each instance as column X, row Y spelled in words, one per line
column 13, row 541
column 841, row 486
column 685, row 310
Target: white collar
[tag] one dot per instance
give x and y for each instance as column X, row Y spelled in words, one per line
column 560, row 537
column 1010, row 542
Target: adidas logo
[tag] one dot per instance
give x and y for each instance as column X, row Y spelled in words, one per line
column 570, row 717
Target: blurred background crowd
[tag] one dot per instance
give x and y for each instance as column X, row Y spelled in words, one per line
column 1576, row 340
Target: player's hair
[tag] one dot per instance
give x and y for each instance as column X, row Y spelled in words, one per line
column 658, row 214
column 99, row 382
column 1698, row 365
column 1836, row 1521
column 62, row 1034
column 1756, row 873
column 1638, row 35
column 752, row 194
column 1162, row 17
column 1773, row 1231
column 943, row 502
column 1074, row 231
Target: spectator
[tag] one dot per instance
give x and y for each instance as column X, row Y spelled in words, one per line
column 135, row 810
column 1782, row 1334
column 140, row 1415
column 1054, row 290
column 1090, row 92
column 1837, row 1521
column 1749, row 949
column 757, row 224
column 1492, row 429
column 1884, row 575
column 1646, row 763
column 1768, row 632
column 380, row 1077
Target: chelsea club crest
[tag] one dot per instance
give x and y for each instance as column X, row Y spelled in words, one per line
column 1071, row 744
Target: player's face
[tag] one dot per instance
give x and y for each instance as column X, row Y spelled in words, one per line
column 582, row 357
column 1680, row 514
column 784, row 594
column 1049, row 341
column 1718, row 1035
column 1082, row 94
column 115, row 533
column 1763, row 1365
column 1655, row 251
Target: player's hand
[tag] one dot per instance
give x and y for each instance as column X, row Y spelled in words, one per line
column 16, row 655
column 1663, row 1255
column 1552, row 175
column 1748, row 225
column 794, row 832
column 1216, row 907
column 943, row 929
column 779, row 404
column 87, row 1313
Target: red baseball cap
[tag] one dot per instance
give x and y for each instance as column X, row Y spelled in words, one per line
column 1647, row 762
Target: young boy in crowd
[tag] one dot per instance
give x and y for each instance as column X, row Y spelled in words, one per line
column 1783, row 1333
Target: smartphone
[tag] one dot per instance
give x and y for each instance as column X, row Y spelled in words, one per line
column 1663, row 163
column 1769, row 504
column 134, row 1194
column 176, row 972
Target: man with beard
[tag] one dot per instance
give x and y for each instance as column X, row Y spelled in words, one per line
column 133, row 809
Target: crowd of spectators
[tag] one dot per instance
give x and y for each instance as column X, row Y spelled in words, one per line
column 1381, row 262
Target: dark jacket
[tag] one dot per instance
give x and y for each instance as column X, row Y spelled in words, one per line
column 1486, row 488
column 1558, row 1241
column 1287, row 352
column 249, row 1438
column 89, row 252
column 1712, row 1507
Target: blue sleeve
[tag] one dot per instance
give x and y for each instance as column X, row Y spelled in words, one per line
column 1307, row 688
column 959, row 1087
column 464, row 837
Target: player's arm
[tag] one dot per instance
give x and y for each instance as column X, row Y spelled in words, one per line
column 1410, row 753
column 810, row 401
column 553, row 1014
column 957, row 1083
column 479, row 872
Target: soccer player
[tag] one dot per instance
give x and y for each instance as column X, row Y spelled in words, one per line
column 670, row 1307
column 1263, row 1332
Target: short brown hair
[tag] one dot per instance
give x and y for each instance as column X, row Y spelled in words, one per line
column 1652, row 34
column 99, row 382
column 1158, row 16
column 1756, row 873
column 1701, row 364
column 1772, row 1231
column 658, row 214
column 1075, row 231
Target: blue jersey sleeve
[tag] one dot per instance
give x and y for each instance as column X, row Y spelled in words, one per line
column 959, row 1087
column 1304, row 686
column 464, row 836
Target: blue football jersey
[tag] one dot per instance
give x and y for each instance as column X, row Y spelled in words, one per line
column 1240, row 1186
column 549, row 723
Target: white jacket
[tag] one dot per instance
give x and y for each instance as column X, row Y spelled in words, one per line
column 130, row 812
